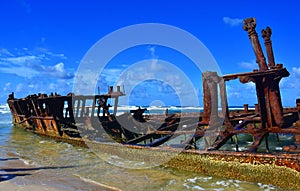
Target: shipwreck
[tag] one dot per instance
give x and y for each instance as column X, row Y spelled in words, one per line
column 77, row 118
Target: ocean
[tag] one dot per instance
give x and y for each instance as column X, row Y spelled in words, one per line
column 65, row 160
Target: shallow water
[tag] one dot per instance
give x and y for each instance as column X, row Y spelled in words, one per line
column 66, row 160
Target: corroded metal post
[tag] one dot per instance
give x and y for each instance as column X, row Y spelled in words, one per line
column 246, row 108
column 206, row 101
column 224, row 104
column 249, row 26
column 298, row 107
column 256, row 106
column 267, row 87
column 274, row 91
column 275, row 101
column 266, row 34
column 210, row 99
column 116, row 101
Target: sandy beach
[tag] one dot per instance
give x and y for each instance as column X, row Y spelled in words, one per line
column 18, row 176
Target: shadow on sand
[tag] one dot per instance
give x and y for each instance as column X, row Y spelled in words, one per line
column 7, row 159
column 10, row 173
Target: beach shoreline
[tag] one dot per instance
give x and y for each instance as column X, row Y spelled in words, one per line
column 19, row 176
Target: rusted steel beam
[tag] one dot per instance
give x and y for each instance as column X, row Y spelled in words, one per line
column 224, row 104
column 206, row 100
column 261, row 98
column 256, row 106
column 246, row 108
column 278, row 71
column 275, row 101
column 266, row 34
column 82, row 110
column 210, row 98
column 274, row 91
column 298, row 107
column 249, row 26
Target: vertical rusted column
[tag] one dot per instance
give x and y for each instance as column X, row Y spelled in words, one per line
column 70, row 108
column 111, row 89
column 224, row 103
column 93, row 108
column 260, row 93
column 34, row 106
column 274, row 91
column 298, row 107
column 213, row 86
column 249, row 26
column 206, row 100
column 256, row 106
column 82, row 107
column 246, row 108
column 275, row 102
column 266, row 34
column 210, row 97
column 78, row 106
column 116, row 101
column 266, row 84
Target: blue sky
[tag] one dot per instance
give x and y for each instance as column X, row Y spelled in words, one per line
column 43, row 42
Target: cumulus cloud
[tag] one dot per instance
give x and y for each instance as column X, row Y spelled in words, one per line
column 232, row 21
column 19, row 60
column 7, row 87
column 5, row 52
column 30, row 71
column 30, row 66
column 57, row 71
column 248, row 65
column 296, row 72
column 20, row 87
column 152, row 51
column 291, row 82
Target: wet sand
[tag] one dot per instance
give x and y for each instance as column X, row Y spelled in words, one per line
column 18, row 176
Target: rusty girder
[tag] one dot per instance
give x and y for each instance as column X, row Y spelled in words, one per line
column 266, row 80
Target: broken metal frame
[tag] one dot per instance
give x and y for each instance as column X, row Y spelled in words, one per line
column 56, row 114
column 266, row 80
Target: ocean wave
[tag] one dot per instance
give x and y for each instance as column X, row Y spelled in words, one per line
column 4, row 112
column 26, row 161
column 266, row 187
column 5, row 123
column 195, row 187
column 4, row 109
column 97, row 183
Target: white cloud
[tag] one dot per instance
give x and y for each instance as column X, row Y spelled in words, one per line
column 5, row 52
column 248, row 65
column 20, row 60
column 52, row 87
column 158, row 76
column 293, row 81
column 152, row 51
column 57, row 71
column 20, row 87
column 34, row 71
column 296, row 72
column 7, row 87
column 30, row 66
column 232, row 21
column 19, row 71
